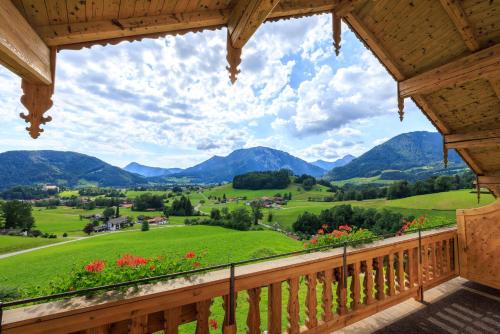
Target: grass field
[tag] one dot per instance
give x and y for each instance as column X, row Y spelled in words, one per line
column 222, row 246
column 10, row 244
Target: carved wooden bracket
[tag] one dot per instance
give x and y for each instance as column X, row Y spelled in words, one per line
column 233, row 59
column 401, row 104
column 37, row 98
column 337, row 32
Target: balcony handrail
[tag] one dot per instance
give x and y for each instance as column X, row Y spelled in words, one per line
column 86, row 291
column 216, row 283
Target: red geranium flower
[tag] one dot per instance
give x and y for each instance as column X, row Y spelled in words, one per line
column 324, row 226
column 190, row 255
column 314, row 241
column 196, row 264
column 95, row 267
column 345, row 227
column 131, row 261
column 152, row 267
column 320, row 231
column 213, row 323
column 337, row 233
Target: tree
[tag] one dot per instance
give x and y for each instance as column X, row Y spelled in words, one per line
column 270, row 217
column 240, row 219
column 308, row 183
column 215, row 214
column 108, row 213
column 290, row 196
column 257, row 214
column 117, row 214
column 147, row 201
column 89, row 228
column 145, row 225
column 17, row 215
column 180, row 207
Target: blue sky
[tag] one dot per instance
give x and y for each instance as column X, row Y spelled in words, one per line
column 168, row 102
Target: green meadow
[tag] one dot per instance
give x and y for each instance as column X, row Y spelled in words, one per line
column 9, row 244
column 222, row 245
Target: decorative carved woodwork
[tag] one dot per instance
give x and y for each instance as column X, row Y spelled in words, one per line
column 401, row 104
column 37, row 98
column 337, row 31
column 234, row 60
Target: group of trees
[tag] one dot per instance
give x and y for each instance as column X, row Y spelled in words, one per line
column 307, row 181
column 27, row 193
column 378, row 221
column 238, row 219
column 263, row 180
column 401, row 189
column 180, row 207
column 148, row 201
column 16, row 215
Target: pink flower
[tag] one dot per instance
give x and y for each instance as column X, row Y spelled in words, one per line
column 345, row 228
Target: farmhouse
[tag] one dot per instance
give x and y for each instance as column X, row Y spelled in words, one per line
column 118, row 223
column 444, row 55
column 157, row 220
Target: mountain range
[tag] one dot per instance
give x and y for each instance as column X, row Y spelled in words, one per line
column 327, row 165
column 407, row 156
column 147, row 171
column 219, row 169
column 62, row 168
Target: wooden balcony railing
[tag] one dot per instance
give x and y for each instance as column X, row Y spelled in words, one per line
column 338, row 289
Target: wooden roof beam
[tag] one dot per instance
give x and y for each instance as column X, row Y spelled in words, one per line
column 464, row 27
column 21, row 49
column 245, row 19
column 485, row 138
column 481, row 64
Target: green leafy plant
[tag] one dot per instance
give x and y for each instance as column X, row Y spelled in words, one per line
column 337, row 237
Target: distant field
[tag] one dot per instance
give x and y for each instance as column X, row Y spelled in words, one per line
column 9, row 244
column 362, row 180
column 296, row 189
column 222, row 245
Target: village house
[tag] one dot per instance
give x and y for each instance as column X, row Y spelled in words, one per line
column 118, row 223
column 157, row 220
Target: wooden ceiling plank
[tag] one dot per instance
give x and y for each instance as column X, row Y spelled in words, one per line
column 111, row 9
column 155, row 7
column 466, row 30
column 484, row 63
column 495, row 84
column 105, row 29
column 300, row 7
column 245, row 19
column 141, row 8
column 473, row 139
column 372, row 42
column 76, row 11
column 127, row 8
column 57, row 11
column 36, row 12
column 21, row 49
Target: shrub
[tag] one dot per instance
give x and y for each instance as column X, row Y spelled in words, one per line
column 145, row 226
column 65, row 235
column 345, row 233
column 8, row 293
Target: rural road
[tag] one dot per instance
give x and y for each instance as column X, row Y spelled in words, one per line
column 3, row 256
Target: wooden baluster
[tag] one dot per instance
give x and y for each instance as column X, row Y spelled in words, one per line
column 380, row 279
column 327, row 296
column 425, row 263
column 369, row 282
column 293, row 306
column 455, row 255
column 202, row 315
column 433, row 260
column 274, row 309
column 104, row 329
column 411, row 268
column 172, row 320
column 253, row 319
column 139, row 325
column 390, row 277
column 446, row 260
column 401, row 272
column 341, row 294
column 439, row 258
column 356, row 286
column 311, row 301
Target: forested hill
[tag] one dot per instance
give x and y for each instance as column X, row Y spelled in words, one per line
column 411, row 156
column 62, row 168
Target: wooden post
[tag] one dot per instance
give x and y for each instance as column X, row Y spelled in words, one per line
column 369, row 282
column 390, row 276
column 356, row 286
column 327, row 296
column 172, row 319
column 401, row 272
column 202, row 315
column 139, row 325
column 380, row 279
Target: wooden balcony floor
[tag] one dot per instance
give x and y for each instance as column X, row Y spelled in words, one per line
column 457, row 306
